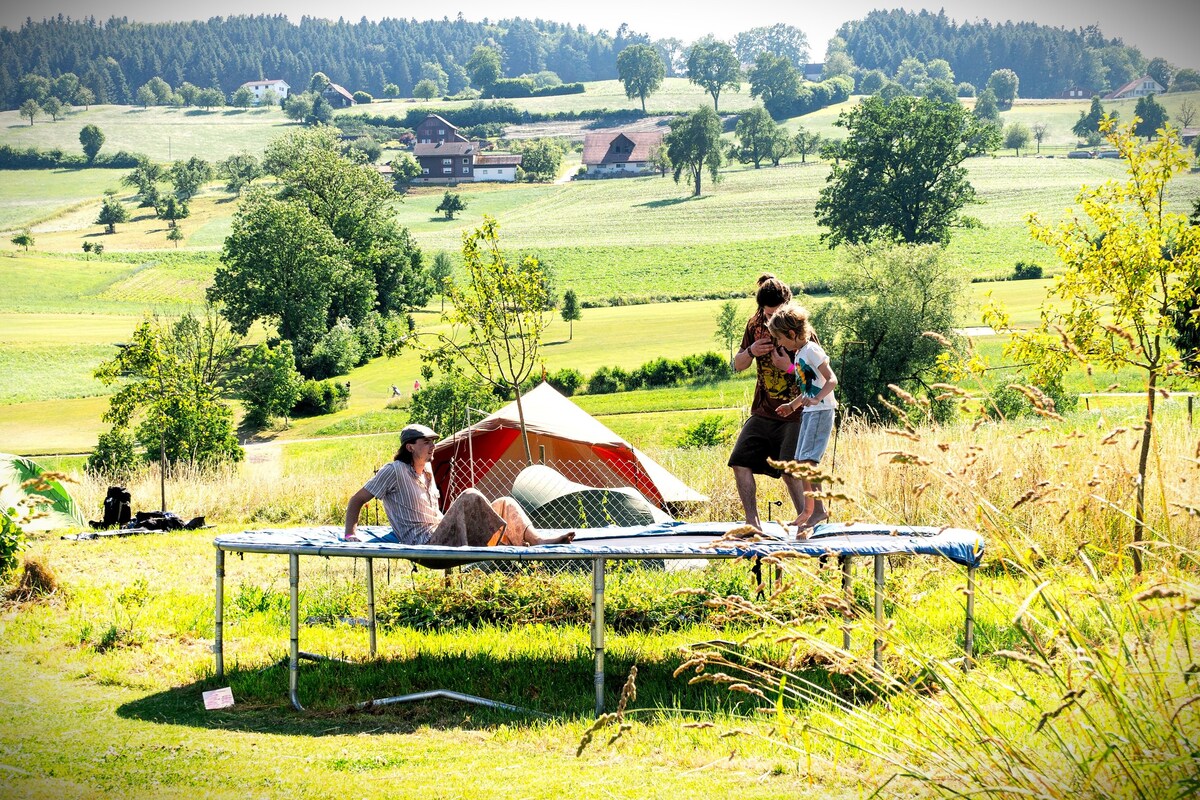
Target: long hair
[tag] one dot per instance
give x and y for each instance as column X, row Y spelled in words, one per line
column 771, row 291
column 791, row 319
column 404, row 454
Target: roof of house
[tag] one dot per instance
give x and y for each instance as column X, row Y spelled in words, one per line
column 1132, row 85
column 270, row 82
column 340, row 90
column 440, row 119
column 598, row 147
column 445, row 149
column 498, row 160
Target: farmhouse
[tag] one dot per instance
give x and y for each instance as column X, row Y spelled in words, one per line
column 446, row 156
column 620, row 153
column 338, row 96
column 1137, row 88
column 257, row 88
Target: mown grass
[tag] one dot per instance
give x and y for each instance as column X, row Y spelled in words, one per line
column 163, row 134
column 133, row 672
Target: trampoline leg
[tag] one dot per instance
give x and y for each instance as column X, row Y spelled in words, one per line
column 848, row 596
column 371, row 602
column 598, row 630
column 219, row 630
column 969, row 633
column 880, row 562
column 294, row 615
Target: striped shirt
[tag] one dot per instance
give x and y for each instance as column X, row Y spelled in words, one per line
column 410, row 500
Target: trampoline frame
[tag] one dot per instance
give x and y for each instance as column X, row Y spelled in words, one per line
column 453, row 556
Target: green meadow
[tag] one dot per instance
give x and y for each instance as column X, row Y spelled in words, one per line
column 1081, row 668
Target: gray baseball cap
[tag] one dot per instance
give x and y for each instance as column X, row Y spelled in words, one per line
column 411, row 433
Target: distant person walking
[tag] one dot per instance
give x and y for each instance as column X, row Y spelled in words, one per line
column 766, row 433
column 395, row 391
column 816, row 381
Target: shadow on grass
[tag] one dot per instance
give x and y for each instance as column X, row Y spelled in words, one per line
column 671, row 201
column 557, row 687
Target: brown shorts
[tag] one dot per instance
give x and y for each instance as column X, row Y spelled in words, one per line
column 762, row 438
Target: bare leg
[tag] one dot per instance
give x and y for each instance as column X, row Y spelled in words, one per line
column 748, row 494
column 519, row 530
column 795, row 489
column 469, row 522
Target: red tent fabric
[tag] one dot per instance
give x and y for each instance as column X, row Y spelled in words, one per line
column 489, row 454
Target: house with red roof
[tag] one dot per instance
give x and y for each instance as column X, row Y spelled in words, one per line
column 620, row 153
column 1139, row 87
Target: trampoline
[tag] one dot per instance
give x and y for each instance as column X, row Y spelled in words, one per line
column 669, row 540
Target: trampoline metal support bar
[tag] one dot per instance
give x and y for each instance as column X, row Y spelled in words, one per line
column 880, row 566
column 969, row 633
column 294, row 615
column 848, row 596
column 598, row 630
column 371, row 602
column 218, row 634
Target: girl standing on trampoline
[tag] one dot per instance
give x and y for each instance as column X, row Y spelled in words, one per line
column 789, row 326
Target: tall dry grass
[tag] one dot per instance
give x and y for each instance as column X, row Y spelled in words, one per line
column 1086, row 681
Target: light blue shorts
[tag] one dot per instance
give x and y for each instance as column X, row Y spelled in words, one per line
column 815, row 427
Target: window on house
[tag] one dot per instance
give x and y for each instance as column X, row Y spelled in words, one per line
column 483, row 171
column 466, row 170
column 425, row 170
column 447, row 161
column 447, row 170
column 466, row 161
column 441, row 131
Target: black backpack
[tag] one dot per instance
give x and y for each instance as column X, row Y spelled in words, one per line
column 116, row 508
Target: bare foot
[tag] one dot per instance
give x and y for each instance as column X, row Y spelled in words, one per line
column 816, row 519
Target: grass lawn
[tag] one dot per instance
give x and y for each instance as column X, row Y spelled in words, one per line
column 29, row 196
column 163, row 134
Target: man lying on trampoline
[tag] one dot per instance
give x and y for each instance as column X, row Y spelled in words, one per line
column 407, row 490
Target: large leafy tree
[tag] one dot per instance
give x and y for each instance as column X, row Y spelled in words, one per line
column 899, row 175
column 345, row 255
column 756, row 133
column 484, row 66
column 785, row 41
column 1130, row 264
column 713, row 66
column 1005, row 83
column 267, row 383
column 641, row 70
column 91, row 138
column 499, row 313
column 300, row 289
column 1150, row 116
column 112, row 213
column 775, row 80
column 694, row 145
column 188, row 176
column 885, row 298
column 171, row 381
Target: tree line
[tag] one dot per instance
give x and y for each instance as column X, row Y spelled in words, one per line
column 1048, row 60
column 112, row 59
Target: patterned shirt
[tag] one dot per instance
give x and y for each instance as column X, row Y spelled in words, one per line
column 410, row 500
column 774, row 387
column 809, row 378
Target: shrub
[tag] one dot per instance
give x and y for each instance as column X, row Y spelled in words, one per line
column 566, row 380
column 709, row 431
column 12, row 541
column 114, row 457
column 662, row 372
column 321, row 397
column 1024, row 271
column 442, row 405
column 603, row 381
column 336, row 353
column 1008, row 403
column 362, row 98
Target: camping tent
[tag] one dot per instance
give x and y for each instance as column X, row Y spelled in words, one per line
column 489, row 454
column 28, row 494
column 552, row 501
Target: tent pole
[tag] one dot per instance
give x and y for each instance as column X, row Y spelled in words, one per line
column 598, row 630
